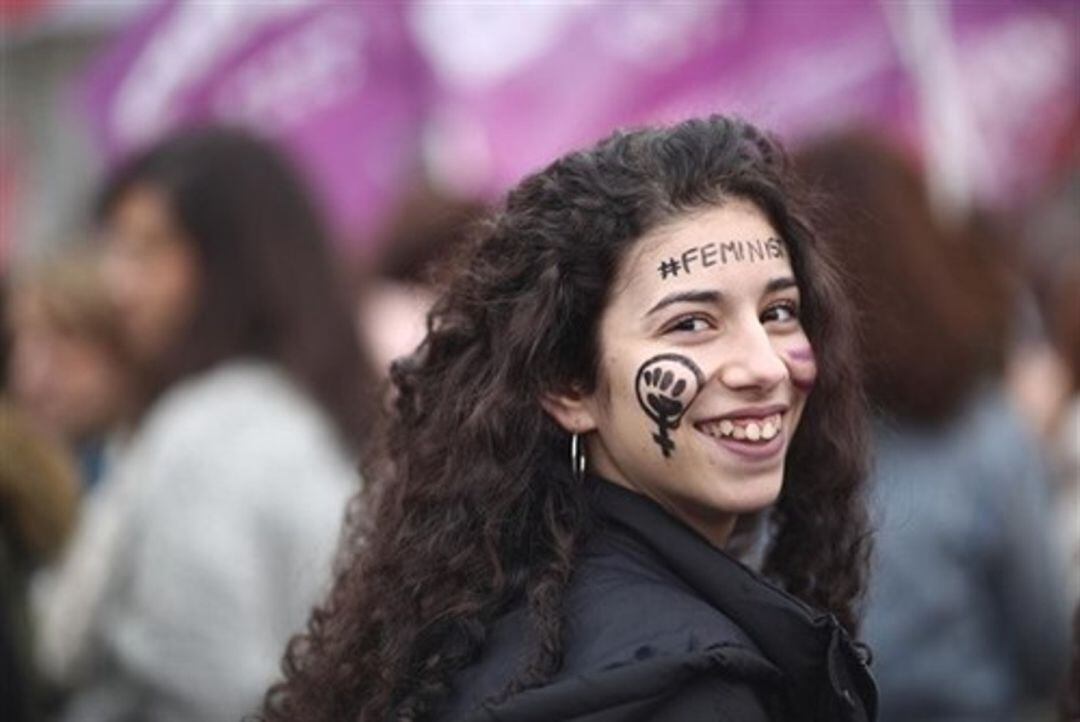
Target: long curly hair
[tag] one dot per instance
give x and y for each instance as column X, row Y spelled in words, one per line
column 471, row 508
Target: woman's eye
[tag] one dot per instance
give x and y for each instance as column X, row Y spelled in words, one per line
column 781, row 313
column 690, row 324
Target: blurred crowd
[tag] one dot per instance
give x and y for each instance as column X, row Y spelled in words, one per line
column 189, row 386
column 186, row 393
column 973, row 383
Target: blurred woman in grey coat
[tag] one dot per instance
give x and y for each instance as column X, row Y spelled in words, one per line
column 214, row 533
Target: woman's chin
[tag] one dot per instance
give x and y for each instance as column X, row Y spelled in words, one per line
column 746, row 494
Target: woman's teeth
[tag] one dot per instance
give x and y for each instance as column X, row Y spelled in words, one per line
column 745, row 429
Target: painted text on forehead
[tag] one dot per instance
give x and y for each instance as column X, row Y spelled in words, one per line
column 697, row 257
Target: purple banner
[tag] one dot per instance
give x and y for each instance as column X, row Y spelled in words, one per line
column 554, row 76
column 962, row 82
column 338, row 84
column 482, row 93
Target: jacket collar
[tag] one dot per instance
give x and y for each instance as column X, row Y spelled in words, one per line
column 808, row 645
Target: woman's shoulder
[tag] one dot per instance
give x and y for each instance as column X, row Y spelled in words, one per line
column 655, row 647
column 221, row 394
column 625, row 604
column 243, row 422
column 636, row 638
column 726, row 685
column 684, row 666
column 240, row 406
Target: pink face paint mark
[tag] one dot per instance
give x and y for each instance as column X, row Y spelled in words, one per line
column 803, row 368
column 802, row 354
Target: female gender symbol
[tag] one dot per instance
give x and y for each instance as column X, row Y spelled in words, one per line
column 665, row 386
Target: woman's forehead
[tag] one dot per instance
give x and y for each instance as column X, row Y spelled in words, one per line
column 705, row 245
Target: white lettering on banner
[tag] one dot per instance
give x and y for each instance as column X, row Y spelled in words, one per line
column 508, row 37
column 187, row 44
column 1026, row 59
column 662, row 34
column 300, row 75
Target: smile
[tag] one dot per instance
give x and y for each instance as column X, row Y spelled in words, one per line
column 752, row 434
column 752, row 429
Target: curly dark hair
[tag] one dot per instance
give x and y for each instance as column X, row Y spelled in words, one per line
column 472, row 507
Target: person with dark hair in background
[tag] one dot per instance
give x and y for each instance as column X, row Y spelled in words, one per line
column 397, row 285
column 215, row 532
column 966, row 611
column 644, row 346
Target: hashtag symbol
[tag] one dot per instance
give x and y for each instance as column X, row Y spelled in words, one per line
column 670, row 267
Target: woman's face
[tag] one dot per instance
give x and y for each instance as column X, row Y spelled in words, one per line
column 72, row 385
column 704, row 370
column 151, row 271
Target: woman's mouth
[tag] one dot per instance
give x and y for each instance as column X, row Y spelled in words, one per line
column 754, row 438
column 750, row 429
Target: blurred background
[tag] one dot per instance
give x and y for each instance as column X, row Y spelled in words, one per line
column 944, row 138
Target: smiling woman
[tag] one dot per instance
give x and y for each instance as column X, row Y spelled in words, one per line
column 735, row 324
column 658, row 307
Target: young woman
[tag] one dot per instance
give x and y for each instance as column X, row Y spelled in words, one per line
column 212, row 536
column 645, row 347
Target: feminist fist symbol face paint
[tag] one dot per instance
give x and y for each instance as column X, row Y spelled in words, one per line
column 665, row 386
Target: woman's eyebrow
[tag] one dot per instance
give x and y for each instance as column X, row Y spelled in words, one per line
column 779, row 284
column 687, row 297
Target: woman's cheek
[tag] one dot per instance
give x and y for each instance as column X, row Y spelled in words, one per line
column 665, row 385
column 803, row 367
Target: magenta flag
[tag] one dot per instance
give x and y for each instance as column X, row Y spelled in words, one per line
column 550, row 77
column 338, row 84
column 477, row 94
column 544, row 78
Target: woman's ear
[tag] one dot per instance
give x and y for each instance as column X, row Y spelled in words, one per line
column 572, row 410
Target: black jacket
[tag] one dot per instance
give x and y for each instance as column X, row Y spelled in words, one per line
column 664, row 627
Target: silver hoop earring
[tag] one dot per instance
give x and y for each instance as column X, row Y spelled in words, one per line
column 577, row 457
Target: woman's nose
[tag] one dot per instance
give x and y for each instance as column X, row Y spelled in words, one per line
column 751, row 361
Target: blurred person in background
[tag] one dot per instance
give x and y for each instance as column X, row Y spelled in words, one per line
column 1052, row 265
column 1046, row 374
column 966, row 612
column 38, row 497
column 494, row 576
column 69, row 370
column 398, row 284
column 1065, row 307
column 68, row 379
column 217, row 524
column 1069, row 703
